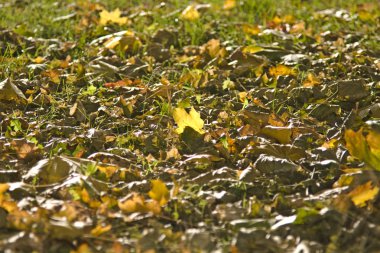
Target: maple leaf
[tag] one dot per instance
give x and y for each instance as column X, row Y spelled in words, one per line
column 184, row 119
column 190, row 13
column 363, row 193
column 159, row 192
column 112, row 17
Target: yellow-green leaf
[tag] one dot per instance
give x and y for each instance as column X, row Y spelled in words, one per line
column 159, row 192
column 365, row 149
column 184, row 119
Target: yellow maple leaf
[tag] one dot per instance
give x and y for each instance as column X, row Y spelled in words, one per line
column 190, row 13
column 112, row 17
column 159, row 192
column 184, row 119
column 229, row 4
column 363, row 193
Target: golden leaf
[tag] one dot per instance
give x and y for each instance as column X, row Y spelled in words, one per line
column 311, row 80
column 184, row 119
column 251, row 29
column 363, row 193
column 153, row 206
column 134, row 204
column 364, row 149
column 38, row 60
column 190, row 13
column 355, row 143
column 373, row 140
column 229, row 4
column 159, row 192
column 83, row 248
column 281, row 134
column 3, row 188
column 100, row 229
column 281, row 70
column 112, row 17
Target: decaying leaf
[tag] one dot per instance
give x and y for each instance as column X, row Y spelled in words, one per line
column 184, row 119
column 10, row 92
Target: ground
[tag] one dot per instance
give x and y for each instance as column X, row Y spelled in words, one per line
column 178, row 126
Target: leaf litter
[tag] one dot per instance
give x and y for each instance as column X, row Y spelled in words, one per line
column 214, row 132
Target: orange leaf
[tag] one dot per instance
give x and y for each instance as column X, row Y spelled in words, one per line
column 281, row 70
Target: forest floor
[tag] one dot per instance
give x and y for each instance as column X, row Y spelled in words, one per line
column 221, row 126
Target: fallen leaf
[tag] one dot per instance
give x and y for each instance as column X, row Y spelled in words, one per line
column 251, row 49
column 3, row 188
column 251, row 29
column 38, row 60
column 112, row 17
column 190, row 13
column 281, row 134
column 184, row 119
column 10, row 92
column 358, row 146
column 363, row 193
column 311, row 80
column 83, row 248
column 281, row 70
column 134, row 204
column 229, row 4
column 100, row 229
column 159, row 192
